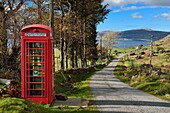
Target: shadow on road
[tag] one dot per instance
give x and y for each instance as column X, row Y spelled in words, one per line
column 114, row 112
column 129, row 103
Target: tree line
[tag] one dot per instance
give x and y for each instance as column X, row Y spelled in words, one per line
column 75, row 25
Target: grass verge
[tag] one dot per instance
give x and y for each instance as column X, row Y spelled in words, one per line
column 81, row 89
column 80, row 79
column 15, row 105
column 154, row 85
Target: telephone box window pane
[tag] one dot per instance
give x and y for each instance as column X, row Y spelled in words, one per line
column 36, row 93
column 36, row 86
column 36, row 59
column 36, row 52
column 36, row 66
column 36, row 79
column 28, row 72
column 36, row 45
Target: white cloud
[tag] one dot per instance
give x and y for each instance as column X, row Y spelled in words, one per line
column 132, row 8
column 163, row 16
column 146, row 2
column 119, row 2
column 136, row 15
column 157, row 2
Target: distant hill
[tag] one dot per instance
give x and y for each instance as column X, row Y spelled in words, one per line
column 138, row 34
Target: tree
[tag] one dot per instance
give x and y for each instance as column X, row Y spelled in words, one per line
column 78, row 22
column 108, row 41
column 8, row 10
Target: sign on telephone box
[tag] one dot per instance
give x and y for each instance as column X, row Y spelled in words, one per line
column 36, row 64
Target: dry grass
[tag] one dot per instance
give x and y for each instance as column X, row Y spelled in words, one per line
column 158, row 60
column 165, row 42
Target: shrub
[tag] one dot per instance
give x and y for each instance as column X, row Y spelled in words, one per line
column 115, row 51
column 159, row 48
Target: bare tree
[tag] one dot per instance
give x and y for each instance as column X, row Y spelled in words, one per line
column 108, row 41
column 8, row 11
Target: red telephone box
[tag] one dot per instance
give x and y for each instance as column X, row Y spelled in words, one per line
column 36, row 62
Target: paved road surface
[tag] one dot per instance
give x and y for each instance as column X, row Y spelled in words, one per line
column 112, row 96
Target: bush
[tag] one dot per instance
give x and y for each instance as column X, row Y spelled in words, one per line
column 163, row 89
column 159, row 48
column 115, row 51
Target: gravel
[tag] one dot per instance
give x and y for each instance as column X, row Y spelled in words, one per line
column 113, row 96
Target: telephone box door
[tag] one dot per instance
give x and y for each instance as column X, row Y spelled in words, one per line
column 35, row 69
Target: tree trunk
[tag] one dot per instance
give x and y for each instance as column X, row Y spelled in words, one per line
column 76, row 58
column 66, row 56
column 109, row 54
column 66, row 60
column 62, row 52
column 62, row 45
column 84, row 45
column 39, row 16
column 72, row 57
column 82, row 56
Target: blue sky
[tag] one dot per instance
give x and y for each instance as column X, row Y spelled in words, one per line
column 136, row 14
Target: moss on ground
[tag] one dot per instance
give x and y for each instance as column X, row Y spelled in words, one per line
column 16, row 105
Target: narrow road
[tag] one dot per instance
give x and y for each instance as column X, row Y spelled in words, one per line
column 112, row 96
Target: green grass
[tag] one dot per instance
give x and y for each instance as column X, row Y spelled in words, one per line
column 16, row 105
column 1, row 84
column 80, row 89
column 122, row 50
column 123, row 79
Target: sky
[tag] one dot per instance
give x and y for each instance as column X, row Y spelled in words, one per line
column 137, row 14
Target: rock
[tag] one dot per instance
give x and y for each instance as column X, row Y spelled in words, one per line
column 61, row 97
column 134, row 78
column 132, row 53
column 138, row 57
column 67, row 84
column 70, row 80
column 167, row 51
column 142, row 53
column 145, row 68
column 161, row 51
column 5, row 81
column 167, row 95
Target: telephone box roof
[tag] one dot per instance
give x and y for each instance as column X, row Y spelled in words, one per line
column 36, row 26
